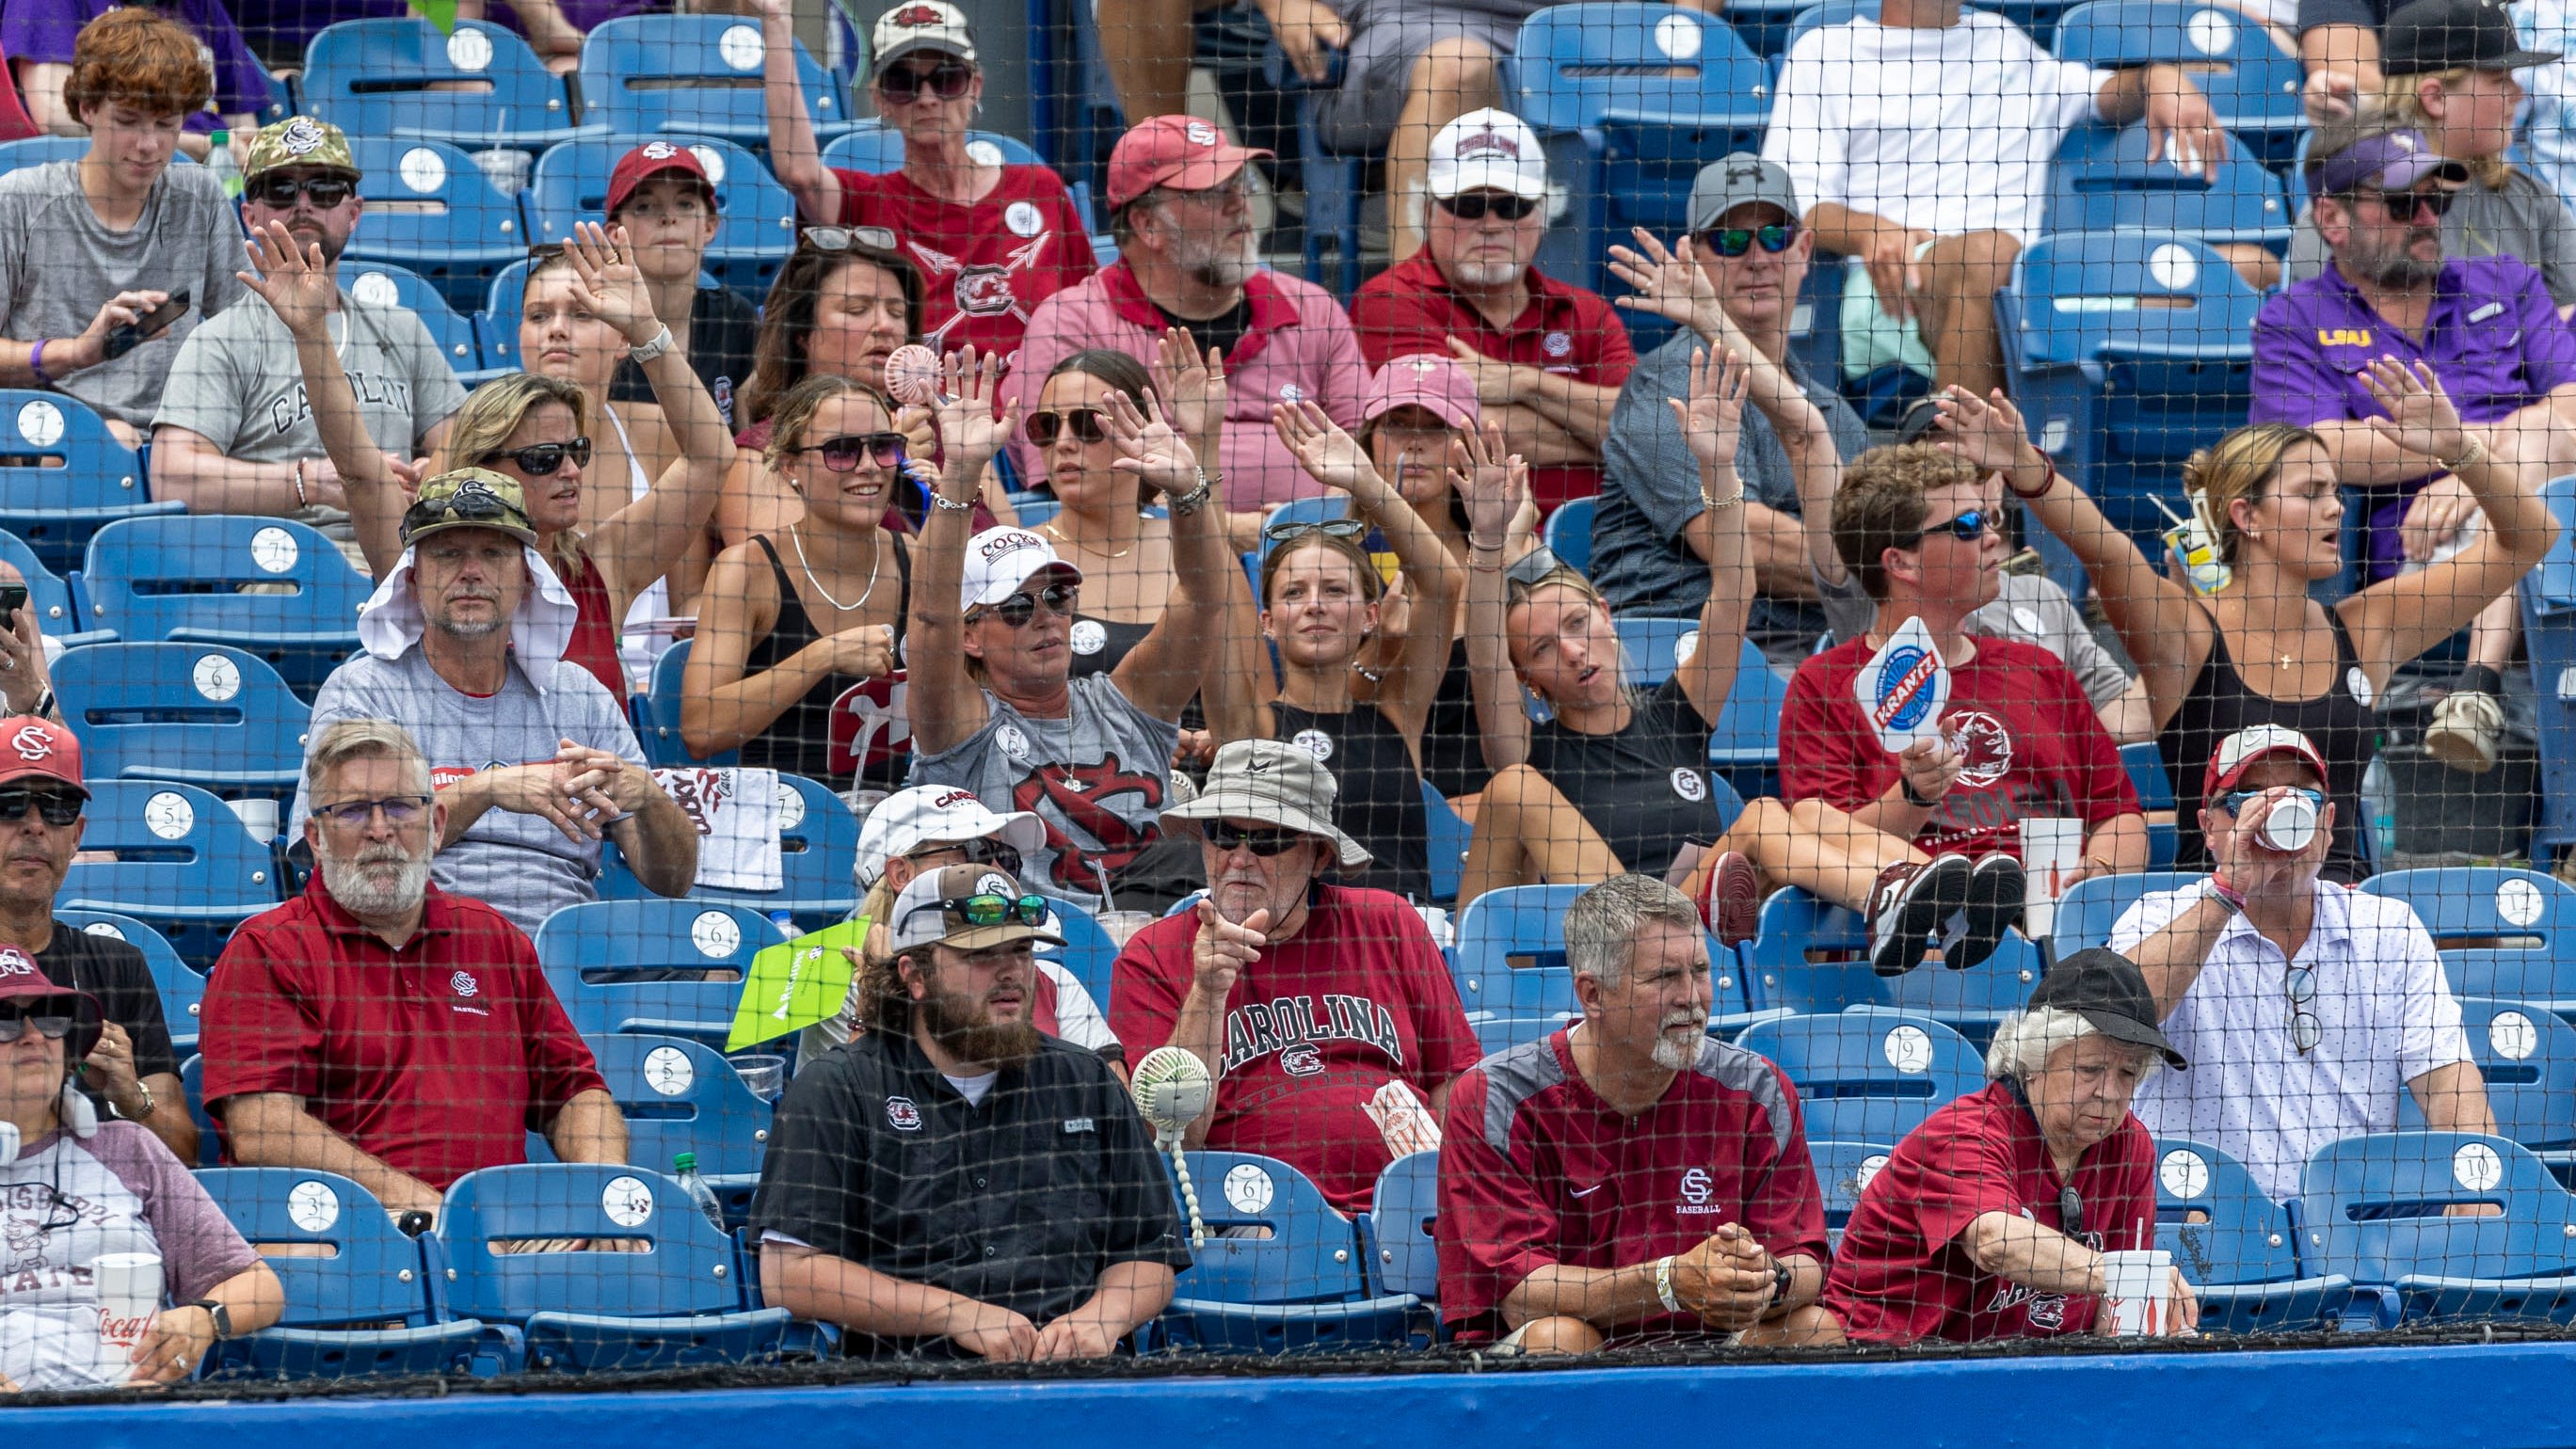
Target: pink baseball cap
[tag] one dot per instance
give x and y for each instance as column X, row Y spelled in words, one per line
column 1181, row 152
column 1424, row 380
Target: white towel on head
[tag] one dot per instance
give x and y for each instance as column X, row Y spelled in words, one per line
column 392, row 621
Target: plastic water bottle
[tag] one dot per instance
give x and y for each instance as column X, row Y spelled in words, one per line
column 219, row 157
column 2379, row 802
column 685, row 1167
column 785, row 921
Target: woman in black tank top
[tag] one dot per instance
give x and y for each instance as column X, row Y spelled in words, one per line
column 2258, row 650
column 789, row 622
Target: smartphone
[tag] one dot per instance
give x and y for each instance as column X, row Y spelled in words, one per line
column 13, row 597
column 131, row 335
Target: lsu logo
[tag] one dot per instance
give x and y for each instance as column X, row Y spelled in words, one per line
column 2343, row 337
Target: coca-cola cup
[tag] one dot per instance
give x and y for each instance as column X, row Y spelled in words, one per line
column 2288, row 826
column 129, row 1294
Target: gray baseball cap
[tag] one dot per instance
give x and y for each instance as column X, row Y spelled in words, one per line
column 1730, row 181
column 1275, row 783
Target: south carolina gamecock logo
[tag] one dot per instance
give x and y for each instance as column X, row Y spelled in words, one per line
column 1985, row 748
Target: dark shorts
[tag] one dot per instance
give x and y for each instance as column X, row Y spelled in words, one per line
column 1360, row 115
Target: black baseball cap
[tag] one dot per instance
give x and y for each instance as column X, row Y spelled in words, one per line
column 2438, row 35
column 2108, row 990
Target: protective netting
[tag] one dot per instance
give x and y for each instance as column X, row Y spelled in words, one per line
column 812, row 696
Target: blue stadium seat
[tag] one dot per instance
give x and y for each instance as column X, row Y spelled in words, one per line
column 1509, row 967
column 1569, row 533
column 2237, row 1246
column 595, row 953
column 1812, row 957
column 192, row 1081
column 817, row 836
column 1323, row 508
column 694, row 75
column 2548, row 595
column 180, row 579
column 757, row 226
column 2102, row 180
column 656, row 714
column 2528, row 1057
column 1844, row 1170
column 876, row 148
column 678, row 1303
column 2155, row 793
column 1867, row 1074
column 1401, row 1212
column 1631, row 100
column 45, row 150
column 1447, row 843
column 81, row 478
column 1745, row 744
column 384, row 284
column 1087, row 951
column 58, row 613
column 2126, row 351
column 1300, row 1288
column 338, row 1304
column 183, row 989
column 403, row 80
column 678, row 1096
column 2505, row 934
column 2373, row 1210
column 1334, row 183
column 431, row 210
column 2091, row 907
column 184, row 866
column 2252, row 84
column 503, row 303
column 203, row 713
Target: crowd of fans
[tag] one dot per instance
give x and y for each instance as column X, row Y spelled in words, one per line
column 1107, row 711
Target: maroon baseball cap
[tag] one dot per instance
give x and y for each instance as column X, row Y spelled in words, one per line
column 1181, row 152
column 21, row 980
column 655, row 158
column 31, row 748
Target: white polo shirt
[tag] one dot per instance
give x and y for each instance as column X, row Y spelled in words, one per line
column 2385, row 1005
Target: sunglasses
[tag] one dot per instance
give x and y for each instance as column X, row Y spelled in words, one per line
column 2299, row 983
column 400, row 810
column 2070, row 1212
column 843, row 238
column 842, row 454
column 1090, row 425
column 51, row 1028
column 1016, row 611
column 2405, row 204
column 1267, row 842
column 1329, row 527
column 1735, row 241
column 992, row 908
column 2234, row 801
column 52, row 807
column 1968, row 527
column 544, row 459
column 1477, row 205
column 1531, row 568
column 977, row 852
column 280, row 192
column 947, row 80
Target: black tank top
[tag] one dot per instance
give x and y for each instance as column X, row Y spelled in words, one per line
column 800, row 740
column 1453, row 748
column 1109, row 641
column 2338, row 723
column 1381, row 792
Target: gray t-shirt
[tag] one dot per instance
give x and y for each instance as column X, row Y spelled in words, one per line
column 2031, row 608
column 236, row 384
column 2524, row 219
column 520, row 865
column 1098, row 778
column 1650, row 489
column 59, row 265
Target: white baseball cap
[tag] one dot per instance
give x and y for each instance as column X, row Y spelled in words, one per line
column 922, row 25
column 1487, row 150
column 907, row 820
column 1000, row 560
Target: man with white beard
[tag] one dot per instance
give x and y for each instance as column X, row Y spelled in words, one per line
column 379, row 1027
column 1630, row 1180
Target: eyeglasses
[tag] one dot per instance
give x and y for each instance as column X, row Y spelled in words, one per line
column 544, row 459
column 1477, row 205
column 1267, row 842
column 842, row 238
column 279, row 192
column 52, row 807
column 1238, row 189
column 1090, row 425
column 1016, row 611
column 2405, row 204
column 2235, row 801
column 51, row 1028
column 842, row 454
column 2299, row 983
column 1968, row 527
column 976, row 852
column 2070, row 1212
column 947, row 80
column 1329, row 527
column 992, row 908
column 400, row 811
column 1735, row 241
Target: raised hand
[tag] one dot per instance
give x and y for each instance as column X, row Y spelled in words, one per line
column 1668, row 283
column 2420, row 417
column 969, row 433
column 1191, row 385
column 606, row 282
column 1147, row 446
column 1490, row 479
column 1986, row 432
column 1330, row 456
column 1712, row 420
column 291, row 279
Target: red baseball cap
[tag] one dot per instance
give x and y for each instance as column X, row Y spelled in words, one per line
column 1181, row 152
column 31, row 747
column 655, row 158
column 2240, row 751
column 21, row 980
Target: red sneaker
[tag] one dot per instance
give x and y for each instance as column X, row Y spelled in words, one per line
column 1730, row 899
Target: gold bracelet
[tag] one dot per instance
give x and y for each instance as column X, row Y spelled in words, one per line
column 2477, row 453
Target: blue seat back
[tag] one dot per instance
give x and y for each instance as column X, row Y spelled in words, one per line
column 756, row 229
column 2092, row 906
column 1312, row 1252
column 432, row 210
column 1868, row 1074
column 2528, row 1056
column 384, row 284
column 180, row 578
column 2548, row 595
column 678, row 1096
column 403, row 78
column 1569, row 533
column 372, row 1274
column 182, row 987
column 2252, row 84
column 874, row 147
column 47, row 593
column 45, row 150
column 1844, row 1171
column 2148, row 777
column 1812, row 957
column 694, row 75
column 183, row 863
column 63, row 476
column 594, row 954
column 504, row 302
column 1747, row 735
column 2503, row 933
column 2372, row 1209
column 2085, row 294
column 1402, row 1215
column 1446, row 845
column 2103, row 179
column 689, row 1268
column 1653, row 646
column 657, row 714
column 1087, row 952
column 2219, row 1226
column 203, row 713
column 1509, row 961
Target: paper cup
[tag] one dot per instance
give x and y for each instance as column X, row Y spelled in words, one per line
column 2289, row 827
column 764, row 1074
column 2135, row 1298
column 2051, row 848
column 1122, row 925
column 129, row 1293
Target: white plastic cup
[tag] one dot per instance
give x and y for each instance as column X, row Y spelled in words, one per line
column 764, row 1074
column 1121, row 925
column 258, row 816
column 2137, row 1297
column 2051, row 848
column 2289, row 827
column 129, row 1294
